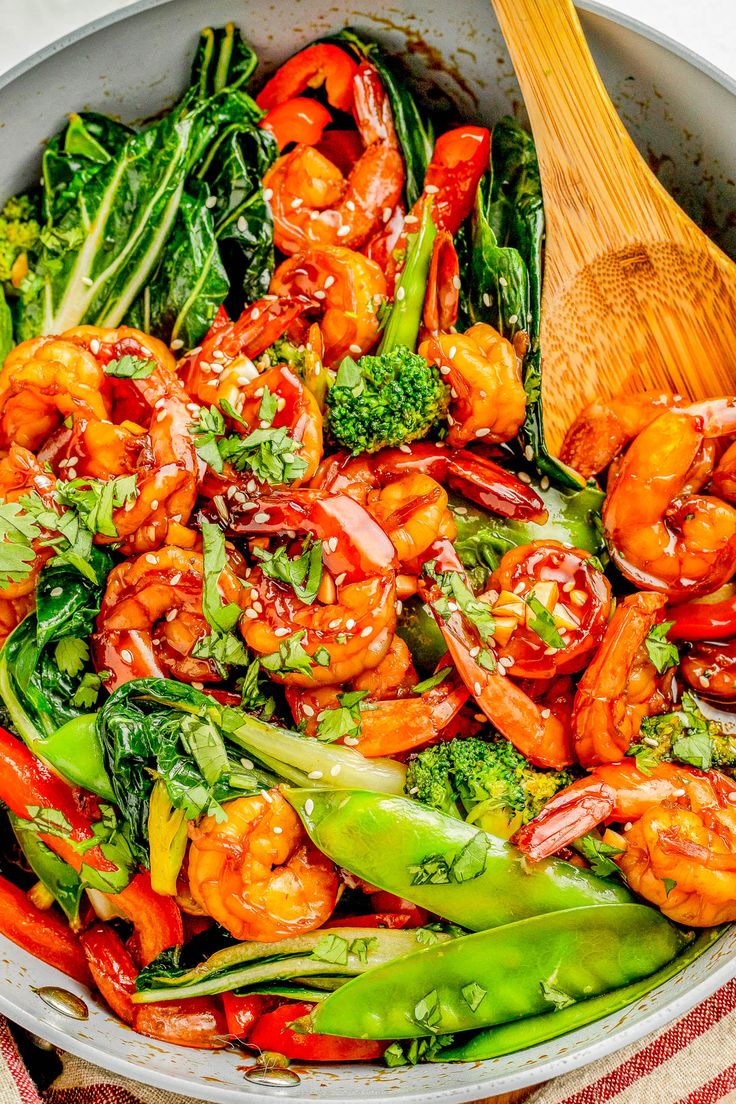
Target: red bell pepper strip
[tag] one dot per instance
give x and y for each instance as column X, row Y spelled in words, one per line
column 460, row 158
column 710, row 618
column 318, row 64
column 195, row 1022
column 393, row 920
column 156, row 919
column 342, row 148
column 242, row 1012
column 297, row 120
column 272, row 1032
column 41, row 932
column 27, row 783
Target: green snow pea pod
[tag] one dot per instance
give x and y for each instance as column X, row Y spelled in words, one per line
column 75, row 750
column 494, row 976
column 443, row 864
column 508, row 1038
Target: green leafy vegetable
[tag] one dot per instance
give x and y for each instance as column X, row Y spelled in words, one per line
column 662, row 652
column 555, row 996
column 130, row 367
column 291, row 656
column 543, row 623
column 342, row 720
column 71, row 654
column 458, row 596
column 303, row 573
column 600, row 855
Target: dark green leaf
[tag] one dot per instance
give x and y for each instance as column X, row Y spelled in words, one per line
column 432, row 681
column 291, row 656
column 343, row 720
column 470, row 862
column 662, row 652
column 669, row 885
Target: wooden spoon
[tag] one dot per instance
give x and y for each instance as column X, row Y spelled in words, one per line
column 635, row 295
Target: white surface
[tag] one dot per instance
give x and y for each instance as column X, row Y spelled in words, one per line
column 707, row 27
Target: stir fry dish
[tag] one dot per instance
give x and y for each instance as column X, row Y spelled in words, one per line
column 342, row 720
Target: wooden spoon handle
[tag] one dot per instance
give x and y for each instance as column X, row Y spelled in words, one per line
column 591, row 170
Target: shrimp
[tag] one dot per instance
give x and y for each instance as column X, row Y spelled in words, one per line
column 442, row 297
column 484, row 373
column 21, row 473
column 710, row 668
column 257, row 873
column 476, row 477
column 723, row 482
column 659, row 536
column 151, row 618
column 42, row 382
column 314, row 204
column 392, row 719
column 223, row 363
column 343, row 637
column 412, row 511
column 539, row 732
column 678, row 842
column 621, row 686
column 349, row 290
column 605, row 427
column 167, row 467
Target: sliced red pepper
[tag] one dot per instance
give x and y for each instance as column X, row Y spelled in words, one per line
column 26, row 782
column 297, row 120
column 342, row 148
column 195, row 1022
column 318, row 64
column 41, row 932
column 156, row 919
column 383, row 901
column 272, row 1032
column 375, row 920
column 460, row 158
column 710, row 618
column 242, row 1012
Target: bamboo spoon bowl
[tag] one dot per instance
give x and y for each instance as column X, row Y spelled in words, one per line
column 635, row 295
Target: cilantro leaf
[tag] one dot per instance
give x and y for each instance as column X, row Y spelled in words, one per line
column 427, row 1011
column 470, row 862
column 555, row 996
column 661, row 651
column 473, row 994
column 349, row 375
column 362, row 947
column 458, row 595
column 598, row 854
column 205, row 431
column 669, row 885
column 543, row 623
column 88, row 691
column 342, row 720
column 17, row 530
column 290, row 656
column 432, row 681
column 71, row 654
column 253, row 697
column 303, row 573
column 94, row 500
column 219, row 617
column 223, row 649
column 271, row 454
column 332, row 948
column 130, row 367
column 268, row 408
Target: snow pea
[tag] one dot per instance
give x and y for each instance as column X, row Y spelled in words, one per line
column 508, row 1038
column 443, row 864
column 495, row 976
column 75, row 750
column 59, row 878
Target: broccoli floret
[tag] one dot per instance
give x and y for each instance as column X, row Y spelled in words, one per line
column 686, row 736
column 19, row 231
column 389, row 399
column 460, row 776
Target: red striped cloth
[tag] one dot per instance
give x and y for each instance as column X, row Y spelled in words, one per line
column 693, row 1061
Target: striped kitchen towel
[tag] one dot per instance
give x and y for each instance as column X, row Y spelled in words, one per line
column 693, row 1061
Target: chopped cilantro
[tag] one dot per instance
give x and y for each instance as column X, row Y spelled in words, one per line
column 432, row 681
column 130, row 367
column 473, row 994
column 303, row 573
column 268, row 408
column 71, row 654
column 427, row 1011
column 555, row 996
column 88, row 691
column 290, row 656
column 457, row 593
column 598, row 854
column 343, row 719
column 543, row 623
column 669, row 885
column 662, row 652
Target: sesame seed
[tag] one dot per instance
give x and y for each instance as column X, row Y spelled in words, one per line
column 340, row 579
column 126, row 656
column 529, row 453
column 410, row 220
column 277, row 829
column 297, row 202
column 150, row 558
column 431, row 189
column 176, row 578
column 307, row 709
column 94, row 346
column 210, row 202
column 334, row 624
column 350, row 205
column 453, row 350
column 355, row 349
column 367, row 631
column 386, row 214
column 444, row 370
column 544, row 713
column 154, row 504
column 251, row 614
column 351, row 740
column 200, row 686
column 475, row 651
column 343, row 231
column 87, row 281
column 503, row 281
column 242, row 224
column 72, row 473
column 400, row 294
column 261, row 517
column 320, row 294
column 309, row 806
column 176, row 344
column 280, row 632
column 171, row 615
column 334, row 771
column 477, row 688
column 628, row 826
column 525, row 477
column 57, row 592
column 350, row 623
column 513, row 319
column 329, row 281
column 331, row 543
column 482, row 432
column 161, row 416
column 315, row 774
column 544, row 482
column 268, row 194
column 486, row 299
